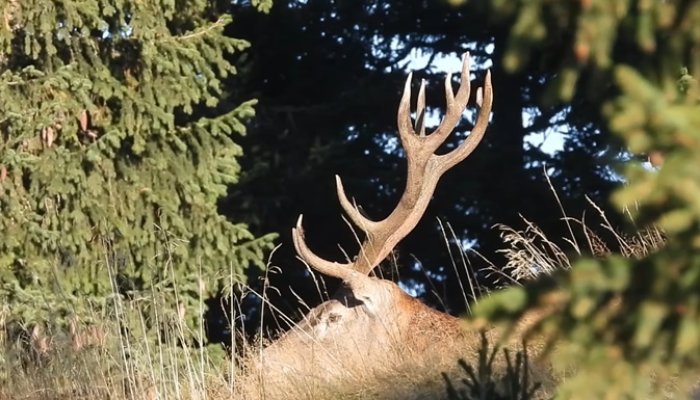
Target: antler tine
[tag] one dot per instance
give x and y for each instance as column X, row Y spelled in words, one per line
column 420, row 110
column 449, row 94
column 403, row 117
column 351, row 210
column 452, row 158
column 455, row 105
column 334, row 269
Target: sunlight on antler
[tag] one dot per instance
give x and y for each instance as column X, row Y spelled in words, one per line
column 424, row 170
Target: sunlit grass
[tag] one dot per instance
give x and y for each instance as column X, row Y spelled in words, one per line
column 119, row 355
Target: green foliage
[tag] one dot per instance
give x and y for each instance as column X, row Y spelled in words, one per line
column 597, row 34
column 662, row 120
column 640, row 319
column 113, row 156
column 262, row 5
column 485, row 383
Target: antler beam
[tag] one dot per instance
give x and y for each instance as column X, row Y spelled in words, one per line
column 424, row 171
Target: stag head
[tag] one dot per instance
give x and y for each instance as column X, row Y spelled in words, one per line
column 370, row 318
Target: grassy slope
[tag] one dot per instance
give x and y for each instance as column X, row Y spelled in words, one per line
column 97, row 360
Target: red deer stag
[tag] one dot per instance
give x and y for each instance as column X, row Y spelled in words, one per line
column 370, row 320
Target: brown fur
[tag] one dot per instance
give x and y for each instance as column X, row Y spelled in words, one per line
column 374, row 332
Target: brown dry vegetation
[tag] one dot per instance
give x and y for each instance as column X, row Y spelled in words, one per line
column 411, row 359
column 96, row 360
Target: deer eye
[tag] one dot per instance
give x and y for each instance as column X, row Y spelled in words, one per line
column 333, row 318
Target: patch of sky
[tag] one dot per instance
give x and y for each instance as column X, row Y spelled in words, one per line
column 549, row 140
column 297, row 3
column 412, row 287
column 416, row 288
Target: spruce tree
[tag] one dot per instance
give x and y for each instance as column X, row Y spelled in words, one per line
column 625, row 328
column 114, row 152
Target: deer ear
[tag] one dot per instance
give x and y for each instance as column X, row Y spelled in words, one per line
column 377, row 296
column 367, row 293
column 370, row 306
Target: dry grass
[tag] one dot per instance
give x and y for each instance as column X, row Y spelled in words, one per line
column 403, row 375
column 529, row 252
column 93, row 358
column 49, row 365
column 99, row 361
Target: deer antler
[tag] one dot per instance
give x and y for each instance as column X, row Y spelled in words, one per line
column 424, row 170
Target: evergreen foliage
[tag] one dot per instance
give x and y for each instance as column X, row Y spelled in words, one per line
column 626, row 326
column 112, row 156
